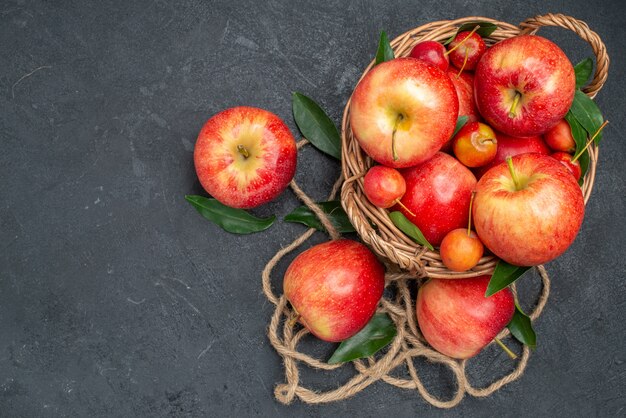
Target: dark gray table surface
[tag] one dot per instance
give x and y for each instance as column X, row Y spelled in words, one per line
column 118, row 299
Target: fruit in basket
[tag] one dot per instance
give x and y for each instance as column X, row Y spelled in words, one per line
column 461, row 249
column 559, row 137
column 439, row 192
column 384, row 186
column 509, row 146
column 245, row 156
column 464, row 86
column 475, row 144
column 528, row 210
column 524, row 85
column 466, row 50
column 403, row 111
column 335, row 288
column 431, row 52
column 457, row 319
column 568, row 161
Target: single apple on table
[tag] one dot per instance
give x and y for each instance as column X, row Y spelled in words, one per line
column 509, row 146
column 403, row 111
column 438, row 193
column 245, row 156
column 335, row 288
column 524, row 85
column 528, row 210
column 457, row 319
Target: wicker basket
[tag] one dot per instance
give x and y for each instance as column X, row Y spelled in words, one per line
column 385, row 238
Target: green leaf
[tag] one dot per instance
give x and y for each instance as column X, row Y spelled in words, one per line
column 384, row 52
column 503, row 275
column 583, row 72
column 522, row 328
column 237, row 221
column 333, row 209
column 587, row 114
column 460, row 122
column 378, row 333
column 580, row 137
column 485, row 30
column 315, row 125
column 409, row 228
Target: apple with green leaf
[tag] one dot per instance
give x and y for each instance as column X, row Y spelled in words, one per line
column 457, row 319
column 245, row 156
column 335, row 288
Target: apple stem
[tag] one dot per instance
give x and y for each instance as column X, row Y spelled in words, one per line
column 393, row 137
column 469, row 222
column 505, row 348
column 404, row 207
column 509, row 162
column 579, row 153
column 464, row 63
column 464, row 39
column 513, row 110
column 243, row 151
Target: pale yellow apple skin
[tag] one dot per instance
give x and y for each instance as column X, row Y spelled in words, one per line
column 425, row 98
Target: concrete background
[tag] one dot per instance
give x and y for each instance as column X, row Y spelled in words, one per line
column 118, row 299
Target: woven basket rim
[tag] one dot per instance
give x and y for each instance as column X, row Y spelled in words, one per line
column 386, row 239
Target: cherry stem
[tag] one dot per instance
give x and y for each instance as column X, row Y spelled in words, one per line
column 464, row 39
column 243, row 151
column 509, row 162
column 513, row 110
column 579, row 153
column 505, row 348
column 469, row 222
column 404, row 207
column 464, row 63
column 393, row 136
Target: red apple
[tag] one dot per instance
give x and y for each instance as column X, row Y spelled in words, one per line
column 567, row 160
column 335, row 288
column 461, row 251
column 471, row 49
column 431, row 52
column 508, row 146
column 560, row 138
column 464, row 86
column 524, row 85
column 457, row 319
column 529, row 212
column 438, row 192
column 403, row 111
column 475, row 144
column 245, row 156
column 383, row 186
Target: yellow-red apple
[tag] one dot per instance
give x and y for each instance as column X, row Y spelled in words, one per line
column 466, row 50
column 245, row 156
column 460, row 250
column 335, row 288
column 457, row 319
column 559, row 137
column 528, row 210
column 403, row 111
column 475, row 144
column 524, row 85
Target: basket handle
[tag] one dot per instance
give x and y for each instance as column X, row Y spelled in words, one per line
column 530, row 26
